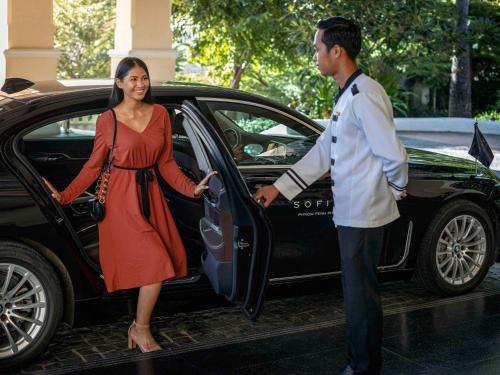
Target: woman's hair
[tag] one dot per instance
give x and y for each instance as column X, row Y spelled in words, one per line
column 122, row 70
column 341, row 31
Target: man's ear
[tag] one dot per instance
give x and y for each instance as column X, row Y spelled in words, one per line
column 335, row 51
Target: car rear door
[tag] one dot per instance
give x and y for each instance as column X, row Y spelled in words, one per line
column 235, row 230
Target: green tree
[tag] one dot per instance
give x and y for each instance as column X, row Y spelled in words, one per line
column 229, row 37
column 84, row 31
column 460, row 102
column 266, row 46
column 484, row 40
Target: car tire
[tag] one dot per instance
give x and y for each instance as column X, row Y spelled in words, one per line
column 446, row 247
column 40, row 319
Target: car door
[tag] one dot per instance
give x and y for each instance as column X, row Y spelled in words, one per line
column 235, row 230
column 305, row 239
column 57, row 150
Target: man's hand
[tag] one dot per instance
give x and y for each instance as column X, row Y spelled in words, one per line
column 265, row 195
column 404, row 194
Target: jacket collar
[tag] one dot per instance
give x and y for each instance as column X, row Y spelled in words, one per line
column 347, row 84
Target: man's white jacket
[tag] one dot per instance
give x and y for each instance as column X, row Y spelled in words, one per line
column 360, row 148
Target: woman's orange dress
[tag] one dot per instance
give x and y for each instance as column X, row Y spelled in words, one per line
column 132, row 250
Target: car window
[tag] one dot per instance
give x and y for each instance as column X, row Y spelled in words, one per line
column 259, row 136
column 81, row 126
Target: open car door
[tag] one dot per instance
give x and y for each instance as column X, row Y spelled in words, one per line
column 235, row 229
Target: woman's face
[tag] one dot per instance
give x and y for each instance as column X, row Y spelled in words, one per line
column 135, row 84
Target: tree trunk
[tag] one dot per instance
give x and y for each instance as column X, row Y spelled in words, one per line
column 460, row 102
column 238, row 72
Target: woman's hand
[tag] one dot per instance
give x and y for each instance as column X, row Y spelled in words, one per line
column 202, row 186
column 55, row 194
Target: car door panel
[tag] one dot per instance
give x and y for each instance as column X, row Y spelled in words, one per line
column 236, row 231
column 217, row 230
column 58, row 159
column 305, row 238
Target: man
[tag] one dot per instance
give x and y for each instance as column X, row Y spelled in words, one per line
column 369, row 172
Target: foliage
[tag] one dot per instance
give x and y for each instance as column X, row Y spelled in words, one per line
column 404, row 42
column 84, row 34
column 230, row 36
column 403, row 39
column 490, row 115
column 484, row 36
column 256, row 125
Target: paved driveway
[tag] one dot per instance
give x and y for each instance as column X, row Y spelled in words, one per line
column 298, row 334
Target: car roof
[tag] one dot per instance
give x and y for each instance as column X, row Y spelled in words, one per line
column 57, row 90
column 43, row 89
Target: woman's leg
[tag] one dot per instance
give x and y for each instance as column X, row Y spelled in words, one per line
column 148, row 295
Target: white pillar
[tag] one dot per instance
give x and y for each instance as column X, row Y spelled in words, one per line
column 143, row 30
column 3, row 38
column 30, row 49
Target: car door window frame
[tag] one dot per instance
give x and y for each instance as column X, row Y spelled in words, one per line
column 204, row 106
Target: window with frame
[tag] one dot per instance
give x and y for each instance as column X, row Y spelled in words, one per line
column 260, row 136
column 80, row 126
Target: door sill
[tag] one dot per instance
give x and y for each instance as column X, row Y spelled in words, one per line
column 193, row 277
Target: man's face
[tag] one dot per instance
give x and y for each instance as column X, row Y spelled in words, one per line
column 325, row 60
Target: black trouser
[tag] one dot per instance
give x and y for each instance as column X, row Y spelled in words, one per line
column 360, row 252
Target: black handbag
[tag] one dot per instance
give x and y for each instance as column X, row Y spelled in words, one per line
column 96, row 204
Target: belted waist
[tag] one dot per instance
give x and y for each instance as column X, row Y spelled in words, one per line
column 142, row 176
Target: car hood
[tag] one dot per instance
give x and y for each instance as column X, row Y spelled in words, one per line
column 436, row 162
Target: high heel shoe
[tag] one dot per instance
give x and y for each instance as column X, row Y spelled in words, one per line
column 132, row 343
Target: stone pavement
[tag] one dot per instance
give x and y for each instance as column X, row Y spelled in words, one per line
column 104, row 345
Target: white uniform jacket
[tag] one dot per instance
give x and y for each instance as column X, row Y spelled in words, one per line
column 367, row 162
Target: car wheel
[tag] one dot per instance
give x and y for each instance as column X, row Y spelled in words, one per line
column 30, row 304
column 457, row 249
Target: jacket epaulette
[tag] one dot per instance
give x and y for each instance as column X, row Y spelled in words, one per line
column 354, row 89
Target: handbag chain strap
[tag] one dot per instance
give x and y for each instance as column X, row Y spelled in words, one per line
column 101, row 187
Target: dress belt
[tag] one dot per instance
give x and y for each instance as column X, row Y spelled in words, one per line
column 142, row 176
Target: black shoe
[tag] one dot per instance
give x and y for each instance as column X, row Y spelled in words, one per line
column 346, row 371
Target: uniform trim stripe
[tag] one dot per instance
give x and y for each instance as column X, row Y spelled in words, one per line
column 294, row 179
column 398, row 188
column 298, row 177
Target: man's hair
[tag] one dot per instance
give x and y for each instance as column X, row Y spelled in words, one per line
column 343, row 32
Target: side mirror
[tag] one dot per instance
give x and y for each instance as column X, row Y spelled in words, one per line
column 13, row 85
column 253, row 149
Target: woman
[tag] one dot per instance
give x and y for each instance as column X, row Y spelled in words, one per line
column 139, row 245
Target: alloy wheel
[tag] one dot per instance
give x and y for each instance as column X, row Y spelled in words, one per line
column 461, row 250
column 23, row 308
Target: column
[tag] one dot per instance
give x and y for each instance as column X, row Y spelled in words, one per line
column 143, row 30
column 30, row 49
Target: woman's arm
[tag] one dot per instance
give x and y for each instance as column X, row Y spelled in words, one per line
column 91, row 168
column 169, row 168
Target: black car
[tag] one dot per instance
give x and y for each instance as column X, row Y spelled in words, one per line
column 49, row 268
